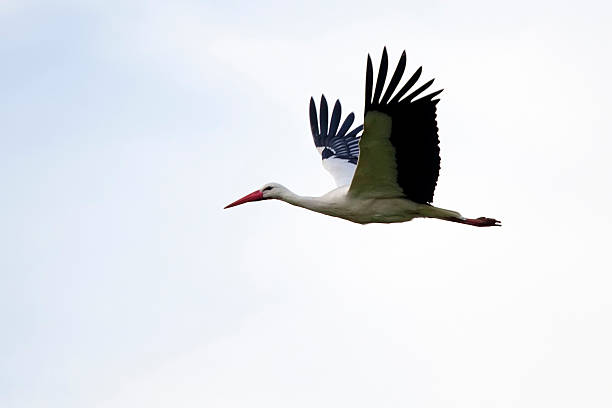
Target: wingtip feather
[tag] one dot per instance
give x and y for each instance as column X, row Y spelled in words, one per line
column 335, row 118
column 395, row 79
column 323, row 117
column 413, row 79
column 314, row 125
column 381, row 77
column 369, row 82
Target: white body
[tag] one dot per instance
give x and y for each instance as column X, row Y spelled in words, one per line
column 340, row 203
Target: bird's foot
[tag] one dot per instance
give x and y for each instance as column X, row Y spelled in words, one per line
column 478, row 222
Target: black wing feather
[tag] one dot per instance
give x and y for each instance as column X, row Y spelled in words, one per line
column 335, row 118
column 354, row 132
column 418, row 91
column 408, row 85
column 323, row 117
column 369, row 80
column 346, row 125
column 397, row 76
column 382, row 75
column 414, row 131
column 314, row 122
column 333, row 141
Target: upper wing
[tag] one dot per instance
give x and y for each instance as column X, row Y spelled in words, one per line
column 399, row 155
column 338, row 147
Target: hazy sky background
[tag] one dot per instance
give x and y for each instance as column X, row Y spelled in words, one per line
column 126, row 126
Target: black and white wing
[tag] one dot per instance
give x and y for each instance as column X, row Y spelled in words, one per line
column 399, row 152
column 339, row 147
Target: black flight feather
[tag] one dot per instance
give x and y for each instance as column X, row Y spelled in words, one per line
column 369, row 80
column 408, row 85
column 314, row 121
column 418, row 91
column 414, row 130
column 335, row 118
column 334, row 142
column 397, row 76
column 382, row 75
column 323, row 117
column 346, row 125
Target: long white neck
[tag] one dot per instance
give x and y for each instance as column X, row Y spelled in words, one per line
column 316, row 204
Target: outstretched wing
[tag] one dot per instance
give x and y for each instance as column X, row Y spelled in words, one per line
column 399, row 153
column 339, row 147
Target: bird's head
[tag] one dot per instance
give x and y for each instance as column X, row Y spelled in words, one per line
column 268, row 191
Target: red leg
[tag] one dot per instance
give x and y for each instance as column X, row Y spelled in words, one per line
column 478, row 222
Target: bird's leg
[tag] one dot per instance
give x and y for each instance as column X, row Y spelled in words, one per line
column 477, row 222
column 448, row 215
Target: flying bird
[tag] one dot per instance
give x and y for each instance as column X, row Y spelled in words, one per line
column 387, row 173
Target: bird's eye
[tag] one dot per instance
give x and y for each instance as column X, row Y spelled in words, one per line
column 267, row 188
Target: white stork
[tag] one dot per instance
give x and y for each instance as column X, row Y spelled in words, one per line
column 387, row 174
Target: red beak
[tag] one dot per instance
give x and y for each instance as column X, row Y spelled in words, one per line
column 254, row 196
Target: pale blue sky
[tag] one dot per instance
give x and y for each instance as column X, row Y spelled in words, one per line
column 125, row 127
